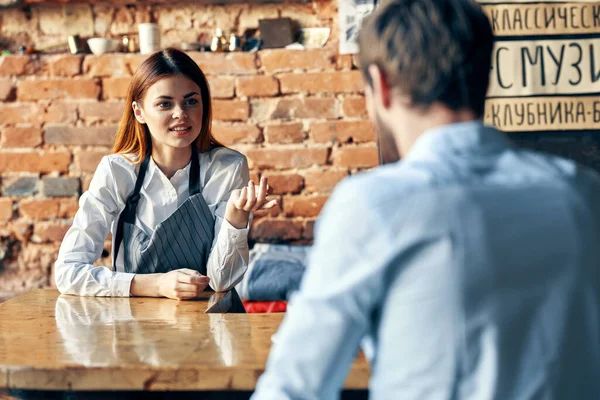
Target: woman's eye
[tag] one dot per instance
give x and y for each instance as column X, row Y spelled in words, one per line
column 164, row 104
column 191, row 102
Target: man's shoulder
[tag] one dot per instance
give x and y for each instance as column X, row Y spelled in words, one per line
column 384, row 182
column 554, row 169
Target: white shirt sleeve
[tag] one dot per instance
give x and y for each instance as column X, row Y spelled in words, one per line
column 84, row 241
column 229, row 256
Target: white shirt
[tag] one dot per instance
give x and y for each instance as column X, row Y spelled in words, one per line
column 221, row 171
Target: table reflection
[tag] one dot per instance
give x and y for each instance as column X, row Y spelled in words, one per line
column 100, row 332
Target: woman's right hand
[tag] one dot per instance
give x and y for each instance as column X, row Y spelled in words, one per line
column 181, row 284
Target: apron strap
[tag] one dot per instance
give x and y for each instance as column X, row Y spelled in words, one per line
column 128, row 214
column 194, row 187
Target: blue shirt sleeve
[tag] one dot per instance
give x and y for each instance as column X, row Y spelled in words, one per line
column 319, row 337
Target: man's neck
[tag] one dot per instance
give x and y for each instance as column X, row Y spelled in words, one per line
column 434, row 117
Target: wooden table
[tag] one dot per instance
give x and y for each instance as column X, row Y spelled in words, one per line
column 50, row 341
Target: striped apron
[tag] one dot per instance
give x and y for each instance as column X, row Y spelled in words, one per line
column 183, row 240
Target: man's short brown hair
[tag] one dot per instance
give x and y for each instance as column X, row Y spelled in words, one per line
column 431, row 51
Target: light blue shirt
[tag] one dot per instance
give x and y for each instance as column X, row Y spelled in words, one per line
column 471, row 265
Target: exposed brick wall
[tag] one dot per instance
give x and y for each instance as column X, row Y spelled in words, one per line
column 299, row 116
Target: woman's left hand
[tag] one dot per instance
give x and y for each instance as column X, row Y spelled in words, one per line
column 246, row 200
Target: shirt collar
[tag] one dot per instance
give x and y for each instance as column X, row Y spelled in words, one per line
column 154, row 172
column 469, row 138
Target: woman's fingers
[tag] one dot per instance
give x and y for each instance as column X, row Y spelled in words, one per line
column 269, row 204
column 241, row 201
column 262, row 192
column 186, row 287
column 251, row 201
column 252, row 198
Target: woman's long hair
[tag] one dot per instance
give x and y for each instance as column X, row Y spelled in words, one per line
column 133, row 138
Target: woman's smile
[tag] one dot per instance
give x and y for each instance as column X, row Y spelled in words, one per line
column 181, row 130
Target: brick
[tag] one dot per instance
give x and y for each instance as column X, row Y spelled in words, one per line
column 177, row 18
column 309, row 228
column 355, row 107
column 257, row 86
column 229, row 134
column 6, row 210
column 285, row 60
column 135, row 60
column 303, row 206
column 67, row 208
column 21, row 113
column 50, row 231
column 13, row 18
column 13, row 65
column 21, row 136
column 287, row 158
column 230, row 110
column 18, row 280
column 87, row 161
column 7, row 89
column 321, row 108
column 22, row 229
column 254, row 176
column 344, row 61
column 106, row 65
column 20, row 186
column 356, row 157
column 63, row 112
column 74, row 19
column 110, row 111
column 50, row 20
column 115, row 88
column 323, row 181
column 249, row 17
column 65, row 66
column 303, row 14
column 263, row 109
column 221, row 87
column 60, row 187
column 78, row 20
column 95, row 136
column 276, row 230
column 284, row 133
column 343, row 131
column 57, row 89
column 223, row 17
column 222, row 63
column 103, row 16
column 39, row 256
column 41, row 162
column 86, row 179
column 322, row 82
column 285, row 183
column 38, row 209
column 123, row 21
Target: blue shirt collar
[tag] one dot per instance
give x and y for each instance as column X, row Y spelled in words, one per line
column 471, row 137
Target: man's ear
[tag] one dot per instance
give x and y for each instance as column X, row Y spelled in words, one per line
column 381, row 89
column 137, row 112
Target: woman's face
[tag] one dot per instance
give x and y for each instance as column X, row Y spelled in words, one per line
column 172, row 110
